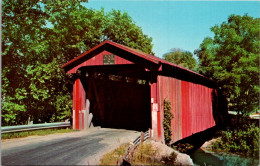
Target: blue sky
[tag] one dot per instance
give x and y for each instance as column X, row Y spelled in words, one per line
column 178, row 24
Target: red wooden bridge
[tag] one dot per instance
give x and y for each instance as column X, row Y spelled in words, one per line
column 126, row 88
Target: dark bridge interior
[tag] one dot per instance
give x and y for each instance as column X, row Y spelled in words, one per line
column 119, row 96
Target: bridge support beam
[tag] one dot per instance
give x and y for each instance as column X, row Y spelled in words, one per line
column 79, row 105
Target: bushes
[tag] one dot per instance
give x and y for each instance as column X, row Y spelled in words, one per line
column 167, row 122
column 243, row 140
column 184, row 148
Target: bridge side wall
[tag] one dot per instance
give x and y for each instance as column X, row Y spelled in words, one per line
column 191, row 106
column 197, row 108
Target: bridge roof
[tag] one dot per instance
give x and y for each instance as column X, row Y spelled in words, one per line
column 166, row 68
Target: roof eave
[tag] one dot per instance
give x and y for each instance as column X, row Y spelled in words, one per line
column 116, row 49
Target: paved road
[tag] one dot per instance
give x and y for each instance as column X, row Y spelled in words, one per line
column 78, row 148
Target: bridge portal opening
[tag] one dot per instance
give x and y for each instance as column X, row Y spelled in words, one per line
column 119, row 96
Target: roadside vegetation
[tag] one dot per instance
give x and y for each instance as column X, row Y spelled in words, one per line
column 36, row 132
column 242, row 140
column 114, row 157
column 181, row 57
column 167, row 121
column 144, row 154
column 231, row 58
column 40, row 36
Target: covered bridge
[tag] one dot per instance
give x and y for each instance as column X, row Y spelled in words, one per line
column 126, row 89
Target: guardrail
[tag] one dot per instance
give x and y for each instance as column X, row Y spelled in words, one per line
column 12, row 129
column 130, row 150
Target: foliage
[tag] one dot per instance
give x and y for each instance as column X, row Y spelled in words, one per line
column 44, row 99
column 22, row 33
column 182, row 58
column 37, row 38
column 169, row 160
column 243, row 140
column 167, row 122
column 184, row 147
column 121, row 28
column 74, row 28
column 232, row 59
column 36, row 132
column 10, row 109
column 48, row 91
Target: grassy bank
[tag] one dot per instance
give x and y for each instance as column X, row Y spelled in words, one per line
column 144, row 154
column 35, row 132
column 114, row 157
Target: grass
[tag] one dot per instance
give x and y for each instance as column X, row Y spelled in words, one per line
column 145, row 154
column 35, row 132
column 114, row 157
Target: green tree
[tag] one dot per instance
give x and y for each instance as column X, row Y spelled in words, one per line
column 47, row 95
column 11, row 109
column 22, row 44
column 74, row 28
column 81, row 29
column 121, row 28
column 37, row 38
column 232, row 59
column 182, row 58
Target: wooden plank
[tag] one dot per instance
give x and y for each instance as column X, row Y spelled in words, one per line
column 90, row 117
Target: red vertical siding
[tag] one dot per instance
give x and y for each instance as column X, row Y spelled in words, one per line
column 160, row 112
column 98, row 60
column 197, row 112
column 191, row 106
column 170, row 89
column 78, row 100
column 186, row 115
